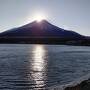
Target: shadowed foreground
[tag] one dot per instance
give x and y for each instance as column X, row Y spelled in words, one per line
column 85, row 85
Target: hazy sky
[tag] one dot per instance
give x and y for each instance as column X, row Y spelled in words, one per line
column 69, row 14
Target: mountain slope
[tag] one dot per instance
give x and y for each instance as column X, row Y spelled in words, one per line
column 40, row 29
column 42, row 32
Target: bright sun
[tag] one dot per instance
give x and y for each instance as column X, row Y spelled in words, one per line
column 39, row 17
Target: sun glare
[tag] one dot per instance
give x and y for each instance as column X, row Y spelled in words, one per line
column 39, row 17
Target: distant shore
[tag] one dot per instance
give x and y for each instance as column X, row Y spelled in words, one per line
column 50, row 41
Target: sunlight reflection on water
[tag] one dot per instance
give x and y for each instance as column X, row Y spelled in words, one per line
column 39, row 65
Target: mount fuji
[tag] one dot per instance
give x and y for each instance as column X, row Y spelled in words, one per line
column 40, row 32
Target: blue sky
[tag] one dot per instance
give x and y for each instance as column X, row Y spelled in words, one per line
column 68, row 14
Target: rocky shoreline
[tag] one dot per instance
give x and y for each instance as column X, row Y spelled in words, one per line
column 84, row 85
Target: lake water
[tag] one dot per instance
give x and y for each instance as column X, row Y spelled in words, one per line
column 36, row 67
